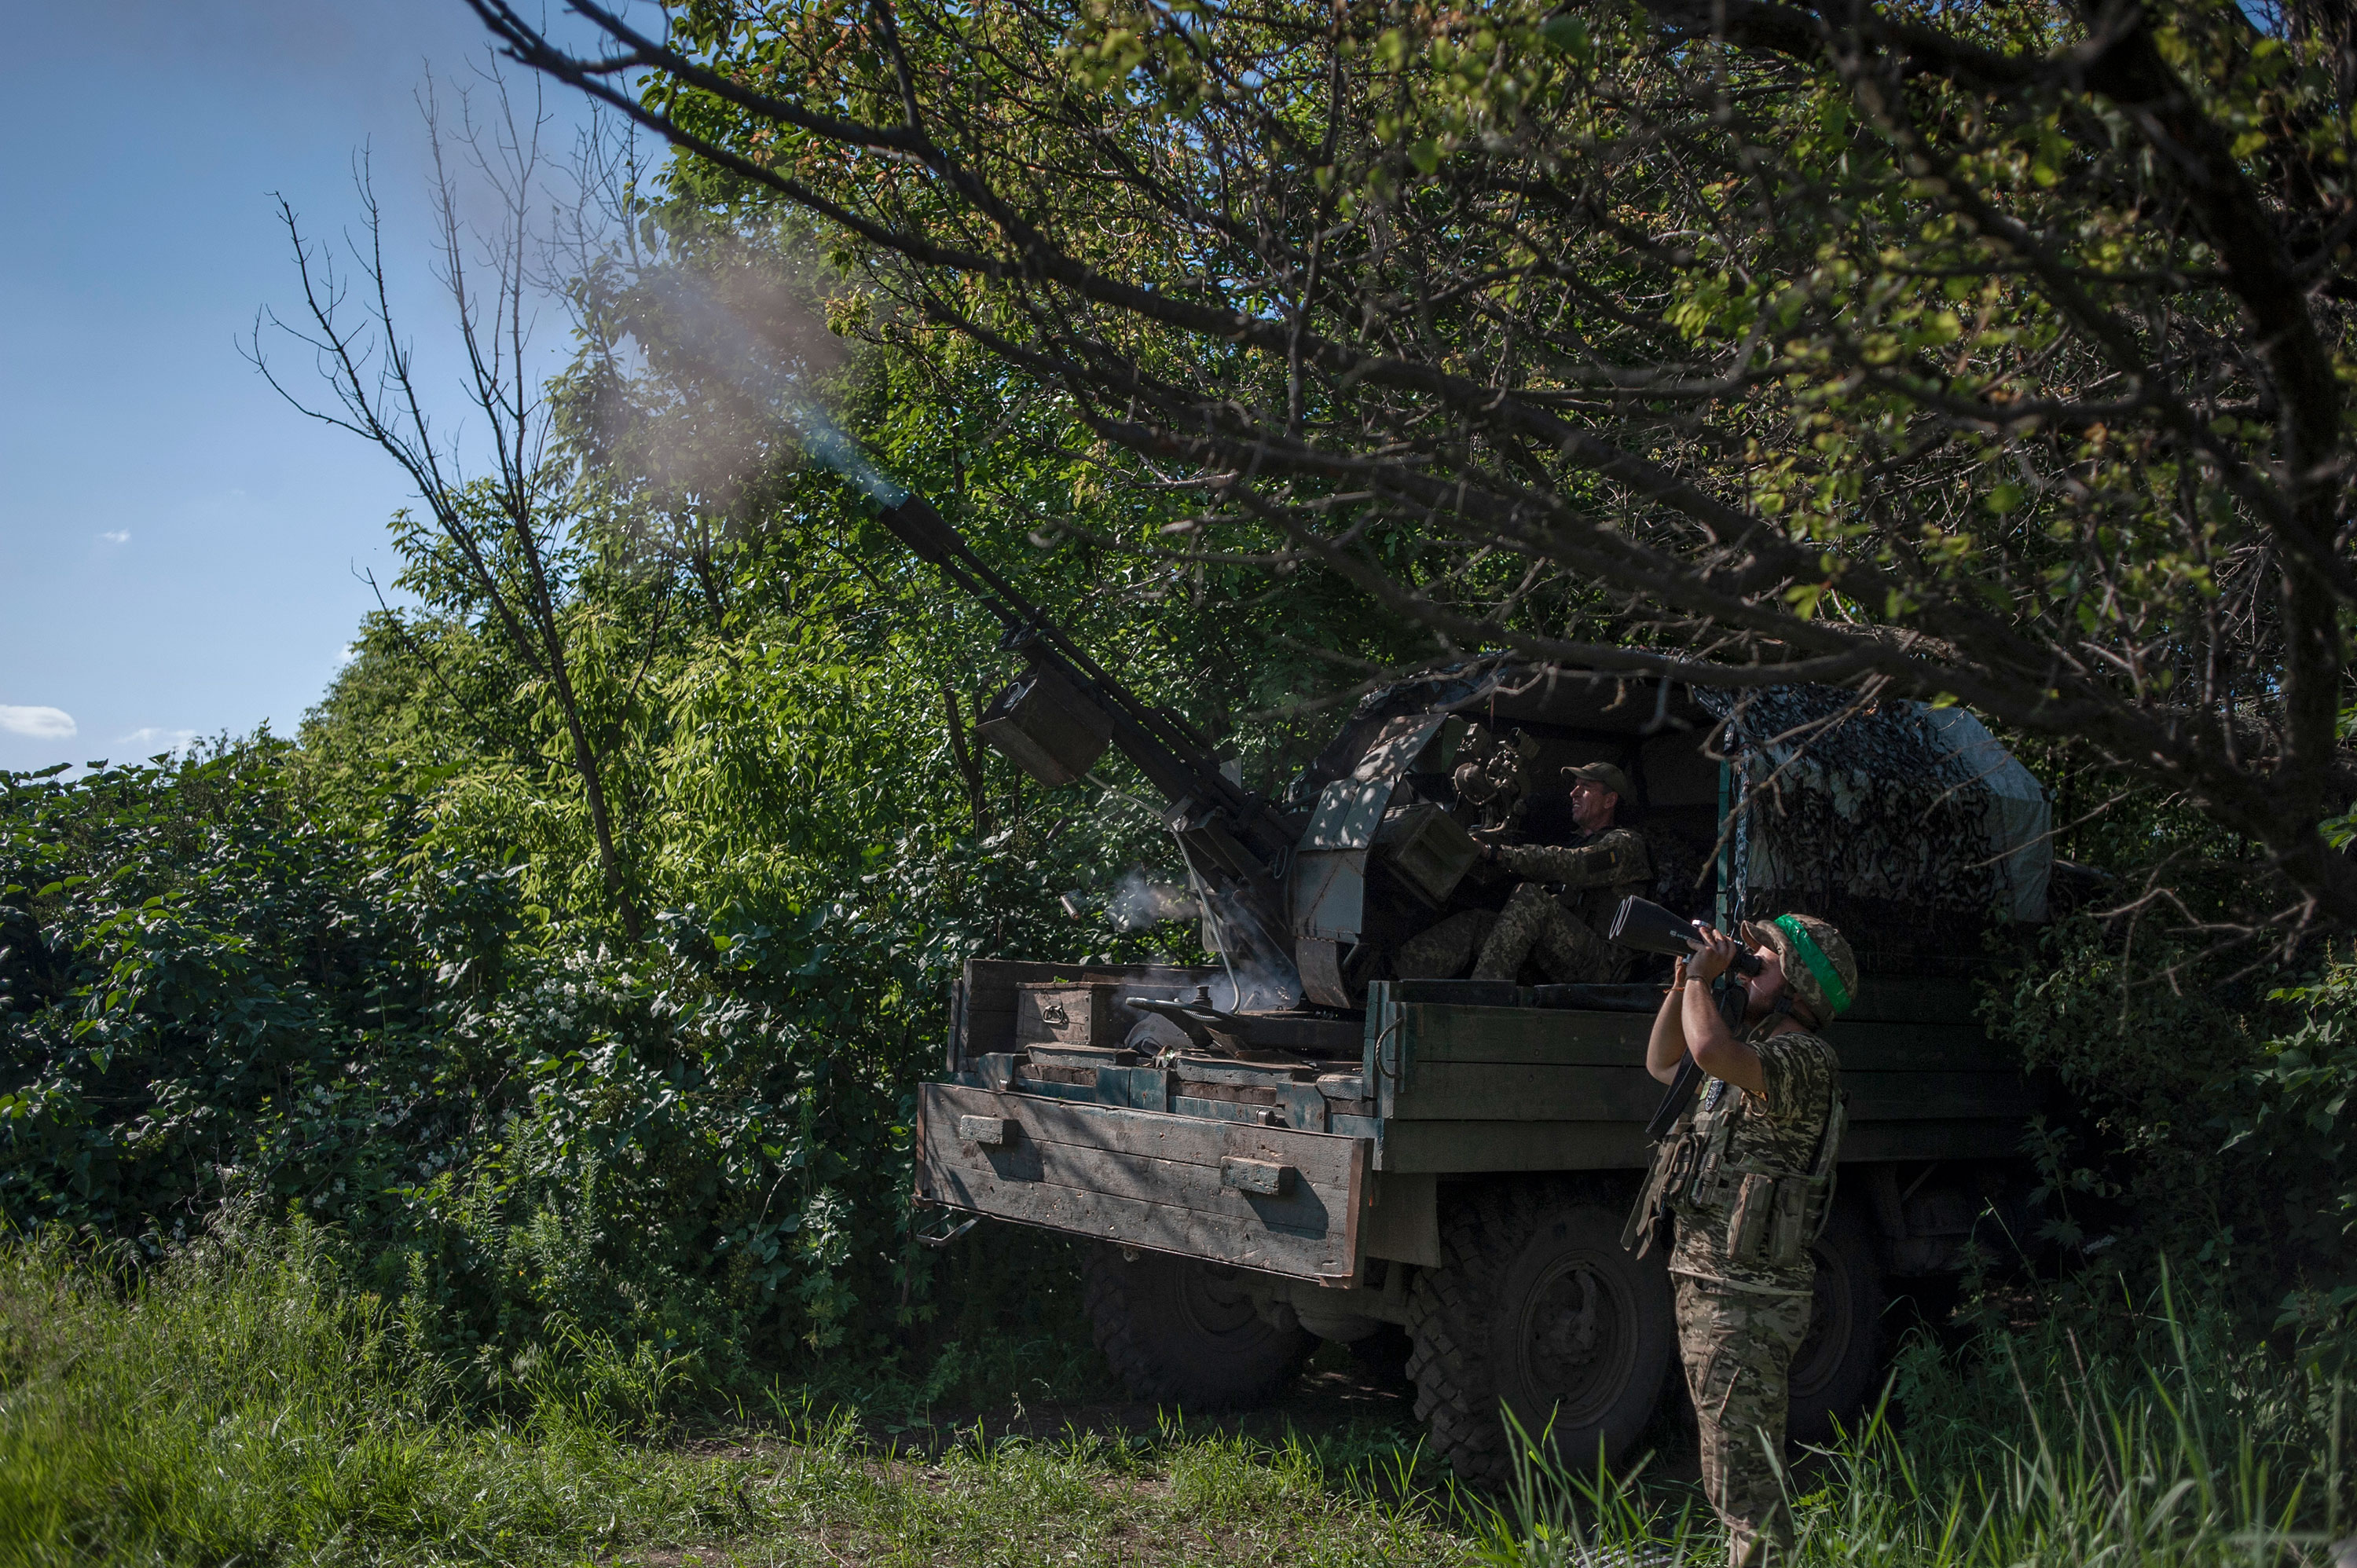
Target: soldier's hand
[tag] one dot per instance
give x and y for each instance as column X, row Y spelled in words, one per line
column 1710, row 959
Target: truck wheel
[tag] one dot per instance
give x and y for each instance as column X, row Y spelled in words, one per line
column 1834, row 1370
column 1538, row 1309
column 1184, row 1332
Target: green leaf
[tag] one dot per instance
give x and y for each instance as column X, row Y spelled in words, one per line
column 1567, row 34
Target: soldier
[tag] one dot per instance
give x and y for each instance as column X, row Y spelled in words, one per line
column 1560, row 912
column 1748, row 1175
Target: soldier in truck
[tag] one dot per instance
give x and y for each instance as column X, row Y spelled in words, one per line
column 1558, row 914
column 1747, row 1176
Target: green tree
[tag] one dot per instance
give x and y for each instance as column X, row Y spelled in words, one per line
column 500, row 541
column 1990, row 353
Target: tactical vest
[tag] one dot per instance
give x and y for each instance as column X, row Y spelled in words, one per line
column 1775, row 1214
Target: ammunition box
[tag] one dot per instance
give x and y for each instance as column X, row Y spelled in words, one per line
column 1067, row 1014
column 1429, row 848
column 1046, row 728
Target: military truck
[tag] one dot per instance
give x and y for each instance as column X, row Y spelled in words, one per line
column 1292, row 1144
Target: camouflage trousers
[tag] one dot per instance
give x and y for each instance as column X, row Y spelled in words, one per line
column 1535, row 924
column 1738, row 1346
column 1533, row 921
column 1441, row 952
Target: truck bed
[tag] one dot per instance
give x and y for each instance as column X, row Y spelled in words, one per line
column 1308, row 1171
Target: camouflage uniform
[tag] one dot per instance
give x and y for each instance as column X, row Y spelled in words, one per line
column 1740, row 1319
column 1441, row 952
column 1737, row 1348
column 1594, row 873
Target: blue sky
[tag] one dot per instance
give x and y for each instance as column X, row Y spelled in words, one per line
column 179, row 550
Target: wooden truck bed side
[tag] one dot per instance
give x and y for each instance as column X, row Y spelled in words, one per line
column 1309, row 1186
column 1257, row 1197
column 1463, row 1088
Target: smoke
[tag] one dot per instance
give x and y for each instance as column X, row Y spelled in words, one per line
column 1255, row 988
column 825, row 441
column 1257, row 975
column 753, row 323
column 1138, row 901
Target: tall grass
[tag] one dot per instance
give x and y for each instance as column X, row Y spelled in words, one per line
column 244, row 1404
column 241, row 1406
column 2177, row 1442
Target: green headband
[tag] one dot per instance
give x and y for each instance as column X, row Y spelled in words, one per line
column 1813, row 956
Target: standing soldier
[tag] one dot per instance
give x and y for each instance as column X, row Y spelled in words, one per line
column 1748, row 1175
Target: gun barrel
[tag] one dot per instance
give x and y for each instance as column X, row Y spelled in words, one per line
column 1176, row 757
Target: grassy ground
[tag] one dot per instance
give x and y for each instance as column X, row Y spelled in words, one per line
column 241, row 1411
column 239, row 1408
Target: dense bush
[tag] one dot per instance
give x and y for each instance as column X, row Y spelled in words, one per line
column 190, row 957
column 525, row 1130
column 2204, row 1114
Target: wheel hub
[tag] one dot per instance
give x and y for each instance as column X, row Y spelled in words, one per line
column 1575, row 1339
column 1213, row 1299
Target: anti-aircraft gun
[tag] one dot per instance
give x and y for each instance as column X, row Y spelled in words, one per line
column 1290, row 893
column 1446, row 1164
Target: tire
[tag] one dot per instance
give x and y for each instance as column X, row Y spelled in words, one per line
column 1537, row 1309
column 1835, row 1370
column 1180, row 1331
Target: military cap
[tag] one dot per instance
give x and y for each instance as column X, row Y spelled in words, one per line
column 1818, row 964
column 1600, row 773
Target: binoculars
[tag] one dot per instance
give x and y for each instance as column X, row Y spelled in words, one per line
column 1645, row 927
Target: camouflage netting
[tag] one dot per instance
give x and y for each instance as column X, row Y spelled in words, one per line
column 1908, row 827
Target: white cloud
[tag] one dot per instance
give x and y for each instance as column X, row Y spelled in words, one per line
column 162, row 739
column 38, row 724
column 347, row 656
column 116, row 536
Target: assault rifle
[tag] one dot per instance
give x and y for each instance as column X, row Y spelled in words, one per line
column 1645, row 927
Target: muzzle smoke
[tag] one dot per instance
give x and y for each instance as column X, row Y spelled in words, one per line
column 1138, row 901
column 745, row 326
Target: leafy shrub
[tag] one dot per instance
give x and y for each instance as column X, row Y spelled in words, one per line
column 692, row 1155
column 2203, row 1117
column 189, row 959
